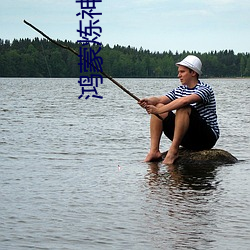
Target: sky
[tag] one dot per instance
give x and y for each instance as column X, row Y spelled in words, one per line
column 155, row 25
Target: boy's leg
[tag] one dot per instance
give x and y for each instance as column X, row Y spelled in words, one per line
column 199, row 135
column 156, row 128
column 181, row 127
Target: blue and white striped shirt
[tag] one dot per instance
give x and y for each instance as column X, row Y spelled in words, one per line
column 206, row 108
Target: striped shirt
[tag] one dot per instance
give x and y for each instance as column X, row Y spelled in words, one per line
column 206, row 108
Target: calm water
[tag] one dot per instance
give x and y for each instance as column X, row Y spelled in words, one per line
column 72, row 175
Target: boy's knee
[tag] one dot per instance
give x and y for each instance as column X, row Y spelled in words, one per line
column 159, row 105
column 184, row 110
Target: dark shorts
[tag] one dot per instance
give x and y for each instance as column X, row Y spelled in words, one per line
column 199, row 135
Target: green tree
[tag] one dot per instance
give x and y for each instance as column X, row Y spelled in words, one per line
column 247, row 69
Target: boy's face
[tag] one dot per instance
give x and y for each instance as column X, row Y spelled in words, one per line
column 185, row 75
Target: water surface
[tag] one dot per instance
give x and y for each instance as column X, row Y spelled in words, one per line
column 72, row 175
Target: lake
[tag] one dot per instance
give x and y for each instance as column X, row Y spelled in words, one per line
column 72, row 174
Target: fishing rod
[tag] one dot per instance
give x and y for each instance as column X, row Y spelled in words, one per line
column 93, row 65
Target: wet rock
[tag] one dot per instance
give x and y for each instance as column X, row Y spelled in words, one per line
column 204, row 157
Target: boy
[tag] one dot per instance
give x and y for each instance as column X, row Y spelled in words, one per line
column 194, row 125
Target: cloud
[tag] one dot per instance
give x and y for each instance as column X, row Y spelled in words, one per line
column 222, row 2
column 147, row 2
column 226, row 5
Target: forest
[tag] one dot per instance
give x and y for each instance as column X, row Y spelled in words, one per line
column 41, row 58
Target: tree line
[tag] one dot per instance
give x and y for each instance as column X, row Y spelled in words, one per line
column 41, row 58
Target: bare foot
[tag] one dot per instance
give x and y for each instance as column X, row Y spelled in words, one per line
column 153, row 156
column 170, row 157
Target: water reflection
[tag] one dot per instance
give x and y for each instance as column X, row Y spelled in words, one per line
column 183, row 177
column 183, row 198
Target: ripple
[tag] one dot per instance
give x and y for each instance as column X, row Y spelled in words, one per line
column 61, row 185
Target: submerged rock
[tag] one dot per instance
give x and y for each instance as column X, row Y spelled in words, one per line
column 204, row 157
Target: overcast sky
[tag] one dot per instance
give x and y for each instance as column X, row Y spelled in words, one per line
column 157, row 25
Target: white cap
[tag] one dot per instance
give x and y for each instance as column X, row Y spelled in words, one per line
column 191, row 62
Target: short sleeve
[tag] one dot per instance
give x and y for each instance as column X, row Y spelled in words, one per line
column 172, row 95
column 204, row 93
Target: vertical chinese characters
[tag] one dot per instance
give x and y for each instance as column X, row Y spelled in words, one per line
column 89, row 62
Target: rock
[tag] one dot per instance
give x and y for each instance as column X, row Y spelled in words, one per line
column 213, row 157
